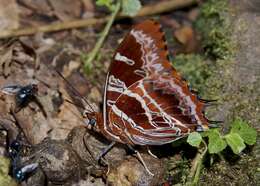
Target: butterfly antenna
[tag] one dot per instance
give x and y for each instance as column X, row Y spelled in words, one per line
column 214, row 124
column 208, row 100
column 74, row 90
column 77, row 105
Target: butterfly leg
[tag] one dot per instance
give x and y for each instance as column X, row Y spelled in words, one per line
column 141, row 160
column 150, row 152
column 88, row 149
column 105, row 150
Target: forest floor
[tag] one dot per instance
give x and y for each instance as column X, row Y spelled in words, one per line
column 51, row 128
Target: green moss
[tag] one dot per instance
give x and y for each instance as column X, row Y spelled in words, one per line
column 214, row 26
column 194, row 69
column 5, row 179
column 203, row 75
column 216, row 77
column 177, row 170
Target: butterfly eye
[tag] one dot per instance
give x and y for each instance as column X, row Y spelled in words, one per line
column 92, row 122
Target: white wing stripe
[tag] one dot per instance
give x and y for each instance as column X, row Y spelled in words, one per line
column 122, row 58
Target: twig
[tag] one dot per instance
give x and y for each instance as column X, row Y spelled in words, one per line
column 104, row 33
column 157, row 8
column 164, row 6
column 52, row 27
column 194, row 175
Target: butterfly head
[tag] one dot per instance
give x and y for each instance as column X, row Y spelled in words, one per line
column 92, row 120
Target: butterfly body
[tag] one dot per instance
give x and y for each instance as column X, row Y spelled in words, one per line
column 146, row 102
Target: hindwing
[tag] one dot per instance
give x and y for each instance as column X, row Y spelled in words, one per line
column 156, row 110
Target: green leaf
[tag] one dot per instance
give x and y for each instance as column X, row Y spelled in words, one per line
column 204, row 133
column 107, row 3
column 247, row 133
column 194, row 139
column 216, row 143
column 236, row 125
column 235, row 142
column 131, row 7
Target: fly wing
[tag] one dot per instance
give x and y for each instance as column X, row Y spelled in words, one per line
column 11, row 89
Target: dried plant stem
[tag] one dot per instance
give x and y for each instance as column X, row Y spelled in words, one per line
column 52, row 27
column 164, row 6
column 103, row 35
column 160, row 7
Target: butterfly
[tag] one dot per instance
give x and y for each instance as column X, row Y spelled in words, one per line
column 146, row 101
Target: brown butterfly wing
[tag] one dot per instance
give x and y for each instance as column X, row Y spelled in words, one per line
column 142, row 52
column 166, row 115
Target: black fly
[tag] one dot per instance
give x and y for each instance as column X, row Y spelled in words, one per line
column 19, row 171
column 23, row 94
column 15, row 147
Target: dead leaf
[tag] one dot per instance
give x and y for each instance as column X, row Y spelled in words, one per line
column 95, row 95
column 89, row 8
column 9, row 15
column 39, row 6
column 187, row 37
column 184, row 34
column 193, row 14
column 66, row 9
column 68, row 69
column 173, row 23
column 5, row 61
column 16, row 51
column 132, row 172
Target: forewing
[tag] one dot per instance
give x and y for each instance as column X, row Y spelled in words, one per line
column 142, row 52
